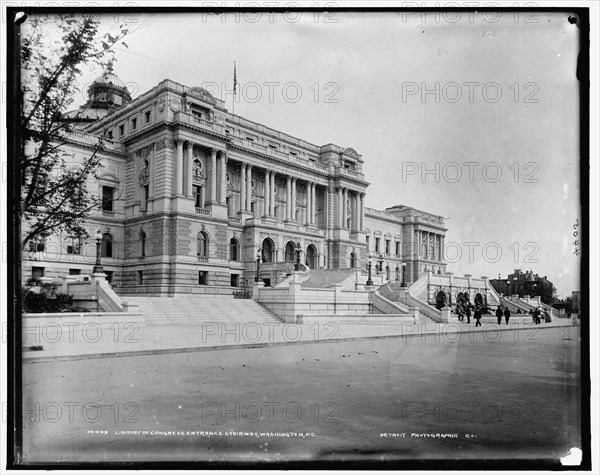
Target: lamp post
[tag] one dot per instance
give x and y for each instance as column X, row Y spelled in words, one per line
column 403, row 284
column 369, row 264
column 258, row 256
column 98, row 266
column 298, row 252
column 397, row 273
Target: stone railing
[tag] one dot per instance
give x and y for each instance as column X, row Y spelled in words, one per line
column 203, row 211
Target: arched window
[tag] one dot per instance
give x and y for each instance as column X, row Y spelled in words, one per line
column 352, row 260
column 290, row 252
column 106, row 248
column 268, row 250
column 311, row 256
column 234, row 249
column 143, row 243
column 203, row 242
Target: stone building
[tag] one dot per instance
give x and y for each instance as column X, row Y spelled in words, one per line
column 194, row 197
column 525, row 283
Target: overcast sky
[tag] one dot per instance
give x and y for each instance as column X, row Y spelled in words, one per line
column 498, row 131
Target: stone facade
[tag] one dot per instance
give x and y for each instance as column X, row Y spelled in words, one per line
column 194, row 194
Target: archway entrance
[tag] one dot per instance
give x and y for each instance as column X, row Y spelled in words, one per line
column 268, row 250
column 440, row 300
column 311, row 256
column 479, row 299
column 290, row 251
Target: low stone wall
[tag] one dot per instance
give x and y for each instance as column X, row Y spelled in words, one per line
column 289, row 302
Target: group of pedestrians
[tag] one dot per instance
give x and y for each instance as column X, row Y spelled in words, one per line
column 536, row 315
column 465, row 310
column 500, row 313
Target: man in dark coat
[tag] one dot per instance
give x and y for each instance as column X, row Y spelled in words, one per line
column 506, row 315
column 477, row 316
column 499, row 314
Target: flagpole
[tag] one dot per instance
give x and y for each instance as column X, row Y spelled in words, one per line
column 234, row 86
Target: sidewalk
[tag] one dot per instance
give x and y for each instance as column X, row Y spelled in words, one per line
column 75, row 342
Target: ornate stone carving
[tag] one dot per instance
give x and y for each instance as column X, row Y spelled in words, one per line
column 161, row 104
column 165, row 143
column 175, row 105
column 202, row 94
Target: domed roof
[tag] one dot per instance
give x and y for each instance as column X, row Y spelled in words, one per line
column 109, row 77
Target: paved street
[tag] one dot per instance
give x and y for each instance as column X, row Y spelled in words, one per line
column 511, row 394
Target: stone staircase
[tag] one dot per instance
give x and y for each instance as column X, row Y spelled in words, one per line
column 197, row 310
column 322, row 279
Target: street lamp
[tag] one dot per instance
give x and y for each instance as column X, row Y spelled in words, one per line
column 98, row 267
column 258, row 256
column 369, row 264
column 298, row 252
column 403, row 284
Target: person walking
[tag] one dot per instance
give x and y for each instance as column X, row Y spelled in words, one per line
column 477, row 316
column 459, row 313
column 506, row 315
column 468, row 314
column 499, row 314
column 536, row 316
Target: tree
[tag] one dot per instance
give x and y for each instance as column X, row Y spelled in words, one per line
column 53, row 193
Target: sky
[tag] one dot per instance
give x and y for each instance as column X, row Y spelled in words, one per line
column 469, row 116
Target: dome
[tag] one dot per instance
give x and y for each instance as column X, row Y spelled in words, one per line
column 109, row 79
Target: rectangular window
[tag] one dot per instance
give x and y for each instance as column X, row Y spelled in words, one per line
column 252, row 206
column 37, row 245
column 145, row 196
column 197, row 196
column 294, row 153
column 133, row 124
column 275, row 213
column 121, row 130
column 398, row 250
column 377, row 241
column 140, row 277
column 107, row 198
column 74, row 246
column 387, row 246
column 368, row 243
column 251, row 139
column 109, row 276
column 196, row 114
column 110, row 134
column 147, row 117
column 74, row 271
column 202, row 277
column 37, row 273
column 235, row 280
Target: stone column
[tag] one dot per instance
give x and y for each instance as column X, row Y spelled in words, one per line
column 243, row 189
column 345, row 209
column 190, row 170
column 293, row 217
column 267, row 188
column 178, row 181
column 362, row 212
column 213, row 175
column 203, row 196
column 249, row 188
column 152, row 172
column 223, row 177
column 288, row 199
column 339, row 213
column 272, row 195
column 313, row 205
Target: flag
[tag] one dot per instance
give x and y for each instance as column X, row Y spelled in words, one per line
column 234, row 78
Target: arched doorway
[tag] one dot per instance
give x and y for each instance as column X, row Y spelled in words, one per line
column 290, row 251
column 352, row 260
column 440, row 300
column 311, row 256
column 268, row 250
column 479, row 299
